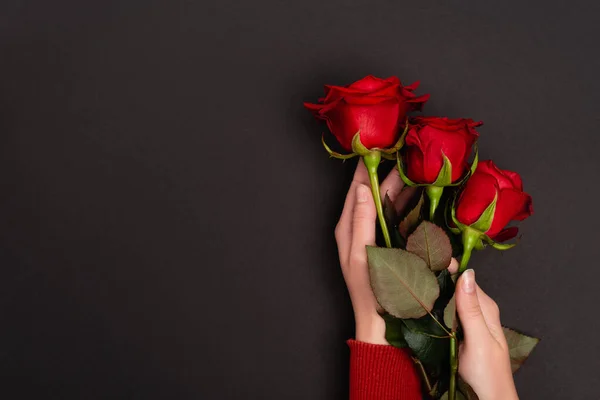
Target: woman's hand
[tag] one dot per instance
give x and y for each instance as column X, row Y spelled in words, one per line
column 483, row 356
column 355, row 230
column 484, row 362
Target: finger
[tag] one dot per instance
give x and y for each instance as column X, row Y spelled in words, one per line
column 453, row 268
column 491, row 314
column 469, row 309
column 343, row 230
column 363, row 226
column 392, row 185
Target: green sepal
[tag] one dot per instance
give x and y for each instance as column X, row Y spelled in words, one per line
column 335, row 154
column 450, row 205
column 445, row 174
column 460, row 226
column 399, row 143
column 444, row 177
column 456, row 231
column 358, row 147
column 486, row 218
column 479, row 245
column 389, row 154
column 502, row 246
column 402, row 174
column 475, row 161
column 498, row 246
column 470, row 172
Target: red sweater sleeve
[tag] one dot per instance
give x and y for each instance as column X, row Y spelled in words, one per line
column 381, row 372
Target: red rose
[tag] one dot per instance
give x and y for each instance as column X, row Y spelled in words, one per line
column 483, row 186
column 429, row 139
column 375, row 107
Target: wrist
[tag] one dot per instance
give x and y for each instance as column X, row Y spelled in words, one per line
column 505, row 390
column 370, row 328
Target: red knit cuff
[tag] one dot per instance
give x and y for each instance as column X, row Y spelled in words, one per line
column 382, row 372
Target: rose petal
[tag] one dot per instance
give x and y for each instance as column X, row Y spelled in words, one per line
column 506, row 234
column 510, row 205
column 478, row 194
column 413, row 86
column 369, row 83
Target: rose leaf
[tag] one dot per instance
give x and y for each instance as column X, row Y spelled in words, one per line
column 403, row 284
column 519, row 347
column 431, row 243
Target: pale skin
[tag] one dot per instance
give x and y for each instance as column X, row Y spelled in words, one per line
column 483, row 356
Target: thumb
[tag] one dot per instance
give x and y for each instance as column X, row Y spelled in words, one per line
column 363, row 223
column 468, row 308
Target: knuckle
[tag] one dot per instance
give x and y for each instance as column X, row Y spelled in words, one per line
column 473, row 311
column 495, row 308
column 357, row 258
column 337, row 232
column 363, row 213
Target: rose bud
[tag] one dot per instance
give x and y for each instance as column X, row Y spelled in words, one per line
column 490, row 199
column 372, row 107
column 366, row 117
column 436, row 153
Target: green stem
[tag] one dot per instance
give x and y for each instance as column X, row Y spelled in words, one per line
column 372, row 160
column 453, row 367
column 470, row 238
column 435, row 194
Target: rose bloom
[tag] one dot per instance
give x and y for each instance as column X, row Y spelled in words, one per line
column 375, row 107
column 430, row 138
column 483, row 186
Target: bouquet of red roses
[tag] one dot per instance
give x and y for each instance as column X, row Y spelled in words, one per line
column 461, row 206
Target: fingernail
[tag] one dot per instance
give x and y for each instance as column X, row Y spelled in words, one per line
column 468, row 278
column 362, row 193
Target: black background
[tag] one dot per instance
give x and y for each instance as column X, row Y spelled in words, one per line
column 167, row 210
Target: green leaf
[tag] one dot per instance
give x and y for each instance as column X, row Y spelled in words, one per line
column 459, row 396
column 519, row 347
column 426, row 338
column 431, row 243
column 485, row 219
column 393, row 331
column 444, row 177
column 450, row 314
column 466, row 390
column 403, row 284
column 410, row 222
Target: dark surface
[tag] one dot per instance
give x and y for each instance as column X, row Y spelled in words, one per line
column 167, row 210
